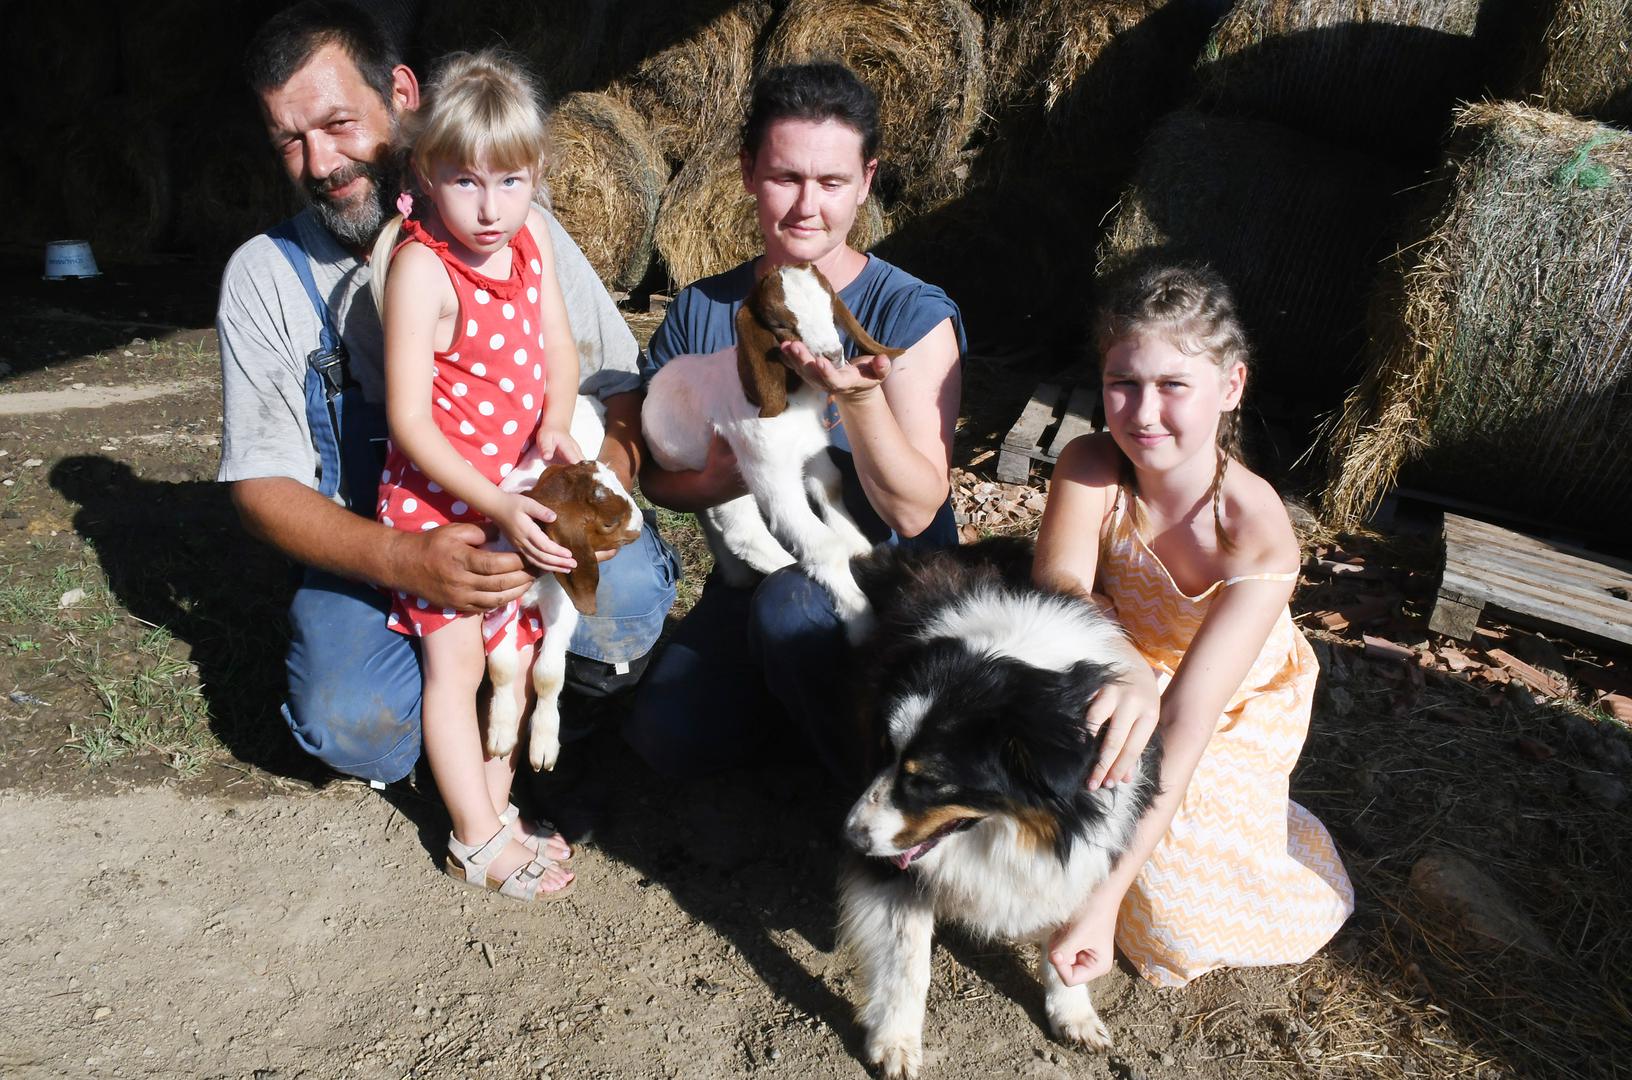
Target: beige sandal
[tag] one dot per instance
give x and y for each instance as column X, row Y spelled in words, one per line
column 469, row 864
column 512, row 817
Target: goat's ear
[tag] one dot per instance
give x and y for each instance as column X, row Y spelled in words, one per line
column 571, row 531
column 759, row 365
column 858, row 334
column 564, row 489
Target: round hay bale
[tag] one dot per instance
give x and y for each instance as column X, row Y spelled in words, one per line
column 1582, row 60
column 606, row 182
column 564, row 41
column 1078, row 83
column 1294, row 225
column 115, row 178
column 1501, row 370
column 923, row 58
column 1383, row 75
column 707, row 222
column 697, row 88
column 229, row 184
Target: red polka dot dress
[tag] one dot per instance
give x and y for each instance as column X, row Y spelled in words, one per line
column 488, row 389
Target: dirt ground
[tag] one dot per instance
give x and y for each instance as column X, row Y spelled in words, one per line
column 187, row 896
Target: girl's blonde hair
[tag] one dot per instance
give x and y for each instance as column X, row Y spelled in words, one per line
column 1191, row 308
column 479, row 107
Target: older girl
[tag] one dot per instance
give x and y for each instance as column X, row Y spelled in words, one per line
column 1197, row 556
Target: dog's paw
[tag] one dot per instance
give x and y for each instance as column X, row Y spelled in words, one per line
column 897, row 1058
column 1079, row 1025
column 858, row 627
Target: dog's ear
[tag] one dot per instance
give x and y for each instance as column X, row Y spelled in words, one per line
column 567, row 490
column 759, row 364
column 1048, row 736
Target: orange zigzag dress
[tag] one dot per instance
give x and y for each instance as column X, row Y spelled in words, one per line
column 1245, row 876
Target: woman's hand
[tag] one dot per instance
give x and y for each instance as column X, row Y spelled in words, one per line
column 557, row 447
column 860, row 377
column 1127, row 708
column 517, row 516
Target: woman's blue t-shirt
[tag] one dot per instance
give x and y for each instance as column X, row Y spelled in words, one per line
column 894, row 307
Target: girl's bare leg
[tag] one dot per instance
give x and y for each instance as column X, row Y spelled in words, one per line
column 501, row 772
column 454, row 663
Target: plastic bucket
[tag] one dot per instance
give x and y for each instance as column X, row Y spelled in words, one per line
column 69, row 259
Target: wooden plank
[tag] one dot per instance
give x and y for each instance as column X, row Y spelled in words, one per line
column 1024, row 440
column 1453, row 618
column 1078, row 420
column 1508, row 573
column 1483, row 531
column 1561, row 609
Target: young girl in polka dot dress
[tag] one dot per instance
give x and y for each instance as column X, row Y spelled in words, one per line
column 480, row 364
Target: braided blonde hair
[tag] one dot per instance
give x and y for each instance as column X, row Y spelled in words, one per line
column 1190, row 307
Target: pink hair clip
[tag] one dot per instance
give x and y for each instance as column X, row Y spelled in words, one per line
column 405, row 204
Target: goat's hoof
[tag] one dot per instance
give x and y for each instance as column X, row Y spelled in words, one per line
column 499, row 746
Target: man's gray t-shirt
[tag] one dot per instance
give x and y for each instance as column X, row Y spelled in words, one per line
column 267, row 327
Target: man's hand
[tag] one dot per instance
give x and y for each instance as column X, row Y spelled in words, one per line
column 449, row 568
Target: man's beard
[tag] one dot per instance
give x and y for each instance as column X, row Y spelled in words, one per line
column 357, row 222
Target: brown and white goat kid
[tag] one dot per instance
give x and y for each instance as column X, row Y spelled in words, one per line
column 794, row 510
column 592, row 512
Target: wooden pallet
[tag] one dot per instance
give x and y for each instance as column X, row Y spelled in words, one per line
column 1550, row 584
column 1052, row 418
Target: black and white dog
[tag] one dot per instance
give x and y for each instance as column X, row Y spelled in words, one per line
column 979, row 687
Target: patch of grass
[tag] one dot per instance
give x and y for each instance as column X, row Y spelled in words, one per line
column 150, row 701
column 685, row 536
column 19, row 644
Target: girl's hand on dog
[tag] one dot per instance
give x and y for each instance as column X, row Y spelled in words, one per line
column 858, row 378
column 1081, row 950
column 1127, row 708
column 518, row 517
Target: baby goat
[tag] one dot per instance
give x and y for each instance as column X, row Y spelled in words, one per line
column 794, row 510
column 592, row 512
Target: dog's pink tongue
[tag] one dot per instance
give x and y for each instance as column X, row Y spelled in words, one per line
column 902, row 860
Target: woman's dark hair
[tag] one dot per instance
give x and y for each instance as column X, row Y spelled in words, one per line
column 284, row 44
column 821, row 90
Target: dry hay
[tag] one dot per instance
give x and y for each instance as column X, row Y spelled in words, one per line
column 1295, row 226
column 1502, row 371
column 1380, row 74
column 606, row 182
column 1582, row 60
column 923, row 59
column 696, row 89
column 115, row 178
column 564, row 41
column 1078, row 83
column 1401, row 762
column 228, row 184
column 707, row 222
column 184, row 54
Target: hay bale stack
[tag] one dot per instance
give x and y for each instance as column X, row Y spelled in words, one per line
column 606, row 183
column 1295, row 226
column 115, row 178
column 1502, row 369
column 923, row 58
column 707, row 222
column 1582, row 60
column 564, row 41
column 229, row 184
column 1382, row 75
column 694, row 90
column 1078, row 83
